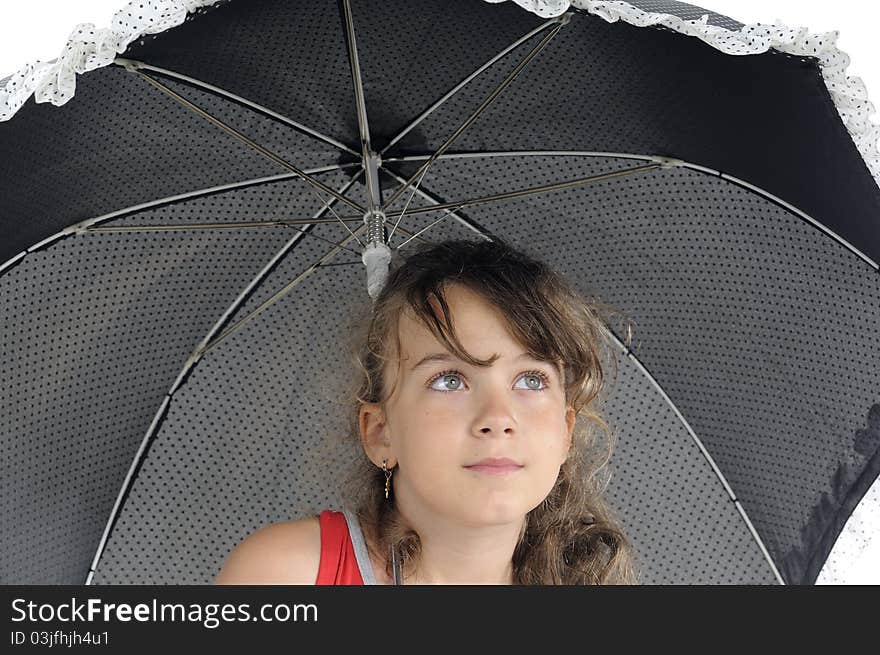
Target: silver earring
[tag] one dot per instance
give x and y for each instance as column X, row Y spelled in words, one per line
column 387, row 477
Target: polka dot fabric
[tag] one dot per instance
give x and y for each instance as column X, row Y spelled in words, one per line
column 90, row 356
column 850, row 94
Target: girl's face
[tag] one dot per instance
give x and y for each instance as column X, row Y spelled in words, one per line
column 447, row 415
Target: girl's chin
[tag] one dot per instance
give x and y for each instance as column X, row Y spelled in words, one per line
column 496, row 515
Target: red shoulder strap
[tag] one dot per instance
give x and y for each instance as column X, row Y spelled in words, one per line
column 338, row 562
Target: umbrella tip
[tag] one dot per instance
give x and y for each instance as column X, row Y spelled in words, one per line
column 376, row 257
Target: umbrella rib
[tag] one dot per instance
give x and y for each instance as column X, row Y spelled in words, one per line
column 666, row 162
column 86, row 224
column 341, row 264
column 227, row 226
column 133, row 64
column 250, row 143
column 275, row 223
column 412, row 236
column 279, row 222
column 467, row 222
column 705, row 454
column 424, row 229
column 464, row 82
column 561, row 21
column 191, row 362
column 803, row 215
column 526, row 153
column 534, row 190
column 277, row 295
column 373, row 192
column 406, row 206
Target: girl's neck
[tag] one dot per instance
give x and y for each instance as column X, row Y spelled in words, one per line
column 454, row 554
column 425, row 577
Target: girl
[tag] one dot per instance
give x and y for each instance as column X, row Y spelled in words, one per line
column 472, row 368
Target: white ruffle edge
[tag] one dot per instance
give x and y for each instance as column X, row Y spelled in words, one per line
column 849, row 94
column 88, row 48
column 849, row 559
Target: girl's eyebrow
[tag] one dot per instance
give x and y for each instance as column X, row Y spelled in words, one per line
column 448, row 357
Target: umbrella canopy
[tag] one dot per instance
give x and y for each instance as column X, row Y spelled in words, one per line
column 183, row 246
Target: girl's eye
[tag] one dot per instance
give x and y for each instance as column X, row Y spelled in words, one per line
column 534, row 380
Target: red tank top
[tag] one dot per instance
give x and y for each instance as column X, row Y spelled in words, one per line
column 338, row 562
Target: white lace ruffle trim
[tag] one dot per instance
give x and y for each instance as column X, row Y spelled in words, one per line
column 88, row 48
column 854, row 557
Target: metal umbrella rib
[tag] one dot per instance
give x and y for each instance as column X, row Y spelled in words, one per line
column 88, row 224
column 717, row 471
column 534, row 190
column 513, row 46
column 249, row 142
column 562, row 21
column 277, row 222
column 468, row 222
column 373, row 199
column 665, row 162
column 802, row 215
column 134, row 65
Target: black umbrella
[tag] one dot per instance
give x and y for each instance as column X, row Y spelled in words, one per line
column 186, row 237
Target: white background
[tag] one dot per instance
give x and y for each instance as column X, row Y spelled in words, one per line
column 38, row 30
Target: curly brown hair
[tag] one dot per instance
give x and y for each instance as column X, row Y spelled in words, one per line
column 572, row 536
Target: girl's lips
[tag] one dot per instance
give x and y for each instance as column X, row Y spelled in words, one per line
column 494, row 470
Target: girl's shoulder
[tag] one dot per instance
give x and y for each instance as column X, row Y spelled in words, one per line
column 283, row 553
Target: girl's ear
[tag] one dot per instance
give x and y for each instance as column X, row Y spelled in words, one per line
column 374, row 434
column 570, row 418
